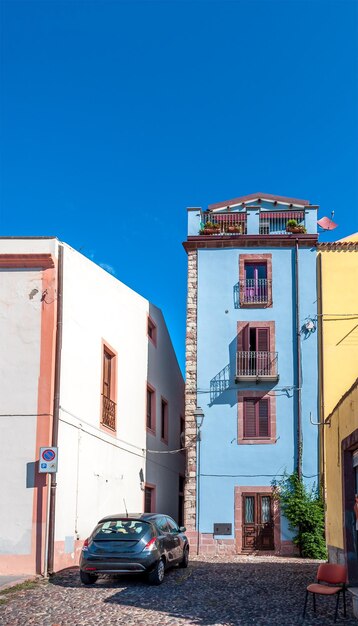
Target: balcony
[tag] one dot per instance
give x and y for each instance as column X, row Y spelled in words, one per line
column 254, row 291
column 276, row 222
column 223, row 224
column 256, row 366
column 108, row 413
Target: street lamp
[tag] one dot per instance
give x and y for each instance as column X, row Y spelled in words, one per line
column 199, row 418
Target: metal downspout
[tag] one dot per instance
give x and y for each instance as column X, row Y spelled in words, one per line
column 298, row 364
column 56, row 409
column 321, row 380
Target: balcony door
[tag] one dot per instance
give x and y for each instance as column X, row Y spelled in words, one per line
column 258, row 526
column 255, row 282
column 256, row 344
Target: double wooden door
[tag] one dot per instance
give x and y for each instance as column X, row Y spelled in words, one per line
column 257, row 526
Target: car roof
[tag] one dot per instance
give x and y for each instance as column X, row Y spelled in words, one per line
column 145, row 517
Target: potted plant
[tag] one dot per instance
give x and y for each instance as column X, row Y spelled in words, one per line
column 293, row 226
column 234, row 228
column 210, row 228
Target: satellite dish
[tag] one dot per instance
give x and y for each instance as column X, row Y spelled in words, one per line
column 326, row 224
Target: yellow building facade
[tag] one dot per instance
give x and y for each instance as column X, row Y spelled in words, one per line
column 338, row 329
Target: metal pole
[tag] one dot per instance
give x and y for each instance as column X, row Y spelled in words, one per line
column 299, row 381
column 56, row 411
column 198, row 438
column 47, row 526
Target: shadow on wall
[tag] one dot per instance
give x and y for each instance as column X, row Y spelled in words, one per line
column 223, row 388
column 37, row 481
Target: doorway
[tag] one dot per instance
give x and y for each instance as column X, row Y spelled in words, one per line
column 257, row 522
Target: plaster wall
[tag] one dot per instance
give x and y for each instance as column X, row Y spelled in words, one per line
column 99, row 471
column 339, row 297
column 224, row 464
column 96, row 308
column 164, row 375
column 343, row 422
column 20, row 338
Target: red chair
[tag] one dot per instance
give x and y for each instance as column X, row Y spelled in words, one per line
column 331, row 580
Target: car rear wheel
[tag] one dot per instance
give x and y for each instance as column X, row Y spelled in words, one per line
column 88, row 579
column 185, row 560
column 156, row 577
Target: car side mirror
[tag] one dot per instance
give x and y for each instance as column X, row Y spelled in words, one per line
column 182, row 529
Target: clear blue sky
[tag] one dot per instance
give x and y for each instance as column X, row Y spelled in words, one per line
column 116, row 116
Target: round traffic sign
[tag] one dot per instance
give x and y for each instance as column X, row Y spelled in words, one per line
column 48, row 455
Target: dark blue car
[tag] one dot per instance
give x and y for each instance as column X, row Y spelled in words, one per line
column 133, row 544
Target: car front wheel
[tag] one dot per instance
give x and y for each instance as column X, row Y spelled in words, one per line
column 156, row 577
column 185, row 560
column 88, row 579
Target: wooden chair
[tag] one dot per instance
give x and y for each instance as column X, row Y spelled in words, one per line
column 331, row 580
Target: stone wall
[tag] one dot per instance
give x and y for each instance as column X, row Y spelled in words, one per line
column 190, row 393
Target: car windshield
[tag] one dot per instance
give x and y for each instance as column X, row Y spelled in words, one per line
column 121, row 529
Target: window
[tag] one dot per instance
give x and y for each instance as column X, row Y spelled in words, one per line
column 256, row 418
column 164, row 421
column 108, row 413
column 255, row 280
column 149, row 499
column 150, row 409
column 152, row 331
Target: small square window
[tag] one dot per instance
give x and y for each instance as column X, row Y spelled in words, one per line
column 164, row 421
column 152, row 331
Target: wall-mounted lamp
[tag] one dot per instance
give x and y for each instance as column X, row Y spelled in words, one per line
column 141, row 479
column 199, row 417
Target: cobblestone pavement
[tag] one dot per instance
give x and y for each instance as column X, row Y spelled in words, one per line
column 215, row 591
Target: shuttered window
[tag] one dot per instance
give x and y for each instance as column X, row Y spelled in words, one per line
column 256, row 418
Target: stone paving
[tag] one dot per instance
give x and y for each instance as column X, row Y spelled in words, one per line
column 214, row 591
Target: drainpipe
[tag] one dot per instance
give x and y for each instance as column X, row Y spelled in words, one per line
column 321, row 379
column 56, row 410
column 298, row 365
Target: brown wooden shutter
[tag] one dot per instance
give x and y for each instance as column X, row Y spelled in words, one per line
column 243, row 338
column 263, row 409
column 262, row 339
column 107, row 374
column 249, row 418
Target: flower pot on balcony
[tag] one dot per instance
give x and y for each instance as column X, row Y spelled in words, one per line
column 234, row 229
column 210, row 229
column 296, row 229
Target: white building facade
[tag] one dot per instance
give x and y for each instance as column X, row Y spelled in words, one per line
column 87, row 364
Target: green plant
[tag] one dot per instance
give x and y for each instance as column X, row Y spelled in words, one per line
column 304, row 510
column 291, row 224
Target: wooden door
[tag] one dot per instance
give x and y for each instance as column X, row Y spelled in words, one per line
column 257, row 527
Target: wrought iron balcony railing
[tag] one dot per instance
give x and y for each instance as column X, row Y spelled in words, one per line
column 233, row 223
column 275, row 222
column 256, row 365
column 108, row 413
column 254, row 290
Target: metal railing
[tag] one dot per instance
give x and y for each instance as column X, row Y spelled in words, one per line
column 254, row 290
column 275, row 222
column 257, row 364
column 223, row 223
column 108, row 413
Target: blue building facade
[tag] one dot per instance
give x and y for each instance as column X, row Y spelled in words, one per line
column 252, row 368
